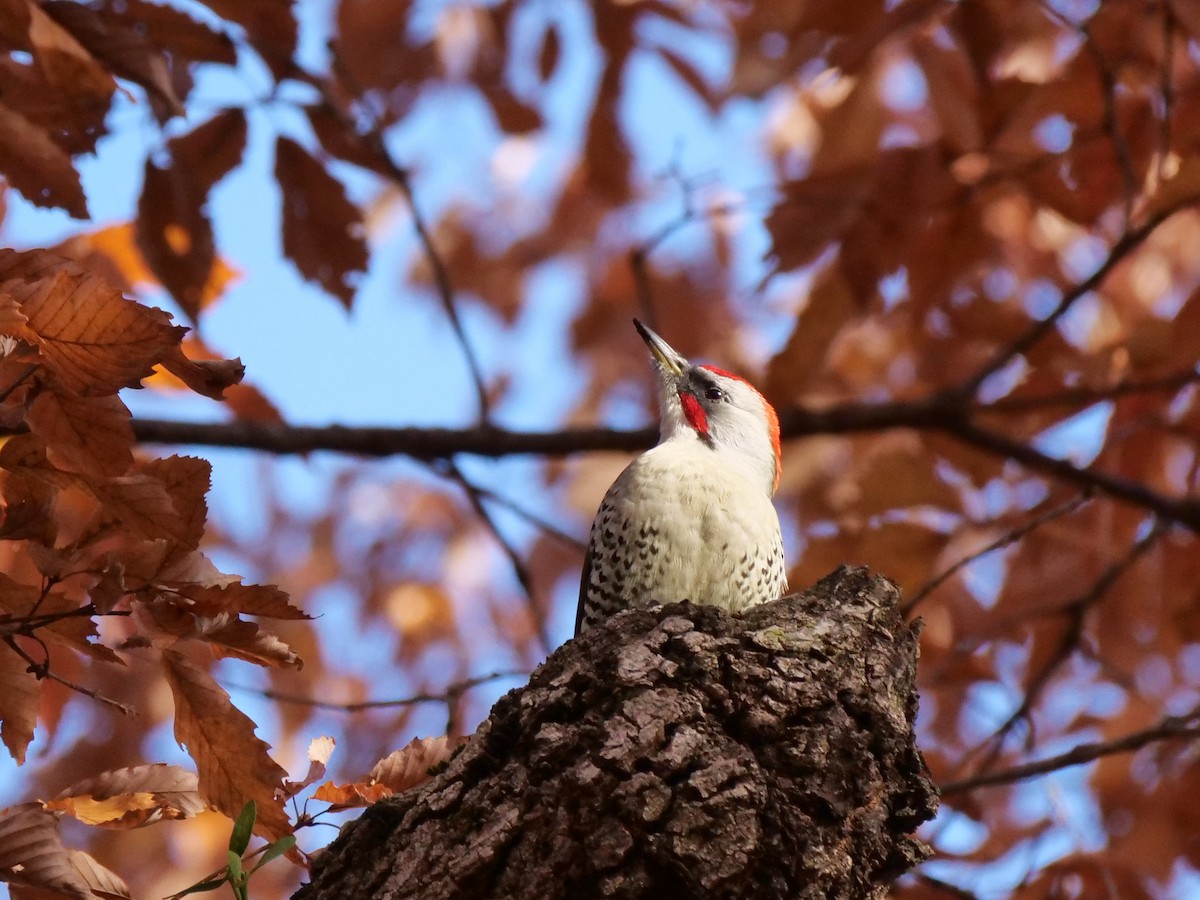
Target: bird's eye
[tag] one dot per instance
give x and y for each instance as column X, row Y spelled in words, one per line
column 714, row 394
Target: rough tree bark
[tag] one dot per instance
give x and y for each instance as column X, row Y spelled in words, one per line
column 677, row 752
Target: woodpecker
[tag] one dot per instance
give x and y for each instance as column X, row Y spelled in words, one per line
column 692, row 518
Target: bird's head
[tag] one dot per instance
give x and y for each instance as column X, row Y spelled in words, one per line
column 721, row 410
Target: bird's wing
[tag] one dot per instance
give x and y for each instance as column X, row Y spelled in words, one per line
column 583, row 586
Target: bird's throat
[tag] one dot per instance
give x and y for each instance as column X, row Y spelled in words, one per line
column 694, row 413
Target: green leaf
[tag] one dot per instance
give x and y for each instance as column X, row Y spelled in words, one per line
column 239, row 840
column 201, row 886
column 280, row 847
column 236, row 874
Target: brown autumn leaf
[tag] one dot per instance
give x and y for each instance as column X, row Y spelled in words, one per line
column 27, row 91
column 212, row 150
column 67, row 63
column 815, row 211
column 186, row 480
column 265, row 600
column 19, row 694
column 398, row 771
column 103, row 883
column 32, row 854
column 184, row 38
column 270, row 26
column 209, row 377
column 143, row 503
column 89, row 435
column 173, row 230
column 322, row 229
column 233, row 764
column 94, row 341
column 229, row 636
column 125, row 48
column 410, row 765
column 378, row 53
column 25, row 514
column 132, row 797
column 953, row 92
column 175, row 234
column 37, row 167
column 343, row 142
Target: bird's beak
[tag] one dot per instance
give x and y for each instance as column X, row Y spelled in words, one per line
column 663, row 353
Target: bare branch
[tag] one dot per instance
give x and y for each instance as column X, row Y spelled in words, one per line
column 1168, row 728
column 452, row 692
column 428, row 444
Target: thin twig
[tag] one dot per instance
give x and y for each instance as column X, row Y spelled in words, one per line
column 1121, row 248
column 1086, row 396
column 1076, row 610
column 532, row 518
column 452, row 691
column 1009, row 537
column 1181, row 511
column 41, row 670
column 1169, row 728
column 514, row 558
column 372, row 139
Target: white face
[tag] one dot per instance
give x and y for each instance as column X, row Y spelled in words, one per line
column 726, row 414
column 717, row 408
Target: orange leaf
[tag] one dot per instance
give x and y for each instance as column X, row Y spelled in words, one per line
column 352, row 795
column 322, row 230
column 233, row 764
column 94, row 341
column 132, row 797
column 32, row 854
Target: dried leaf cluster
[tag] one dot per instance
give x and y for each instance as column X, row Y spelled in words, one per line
column 968, row 228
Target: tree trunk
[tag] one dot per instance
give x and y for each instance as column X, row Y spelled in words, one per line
column 675, row 752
